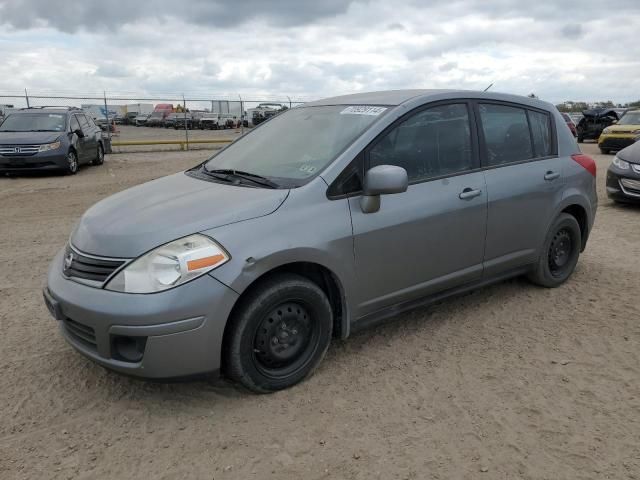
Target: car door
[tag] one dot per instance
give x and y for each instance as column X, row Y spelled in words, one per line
column 524, row 182
column 430, row 237
column 88, row 143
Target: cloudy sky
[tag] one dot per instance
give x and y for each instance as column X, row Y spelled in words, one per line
column 559, row 49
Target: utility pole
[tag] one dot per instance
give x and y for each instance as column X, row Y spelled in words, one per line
column 106, row 114
column 241, row 115
column 186, row 130
column 26, row 96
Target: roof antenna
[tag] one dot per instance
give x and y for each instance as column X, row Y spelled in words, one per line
column 490, row 85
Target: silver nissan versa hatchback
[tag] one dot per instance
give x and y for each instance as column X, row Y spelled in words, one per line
column 325, row 219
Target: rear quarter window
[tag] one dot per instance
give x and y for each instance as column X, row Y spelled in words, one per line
column 541, row 133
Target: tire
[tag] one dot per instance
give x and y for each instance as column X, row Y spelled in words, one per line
column 604, row 151
column 72, row 163
column 256, row 353
column 99, row 160
column 580, row 138
column 560, row 253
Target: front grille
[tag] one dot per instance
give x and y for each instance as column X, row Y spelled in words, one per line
column 632, row 186
column 18, row 150
column 76, row 264
column 81, row 333
column 20, row 165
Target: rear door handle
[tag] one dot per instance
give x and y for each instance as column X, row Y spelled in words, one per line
column 551, row 175
column 468, row 193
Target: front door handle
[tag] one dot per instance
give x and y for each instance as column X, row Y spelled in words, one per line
column 468, row 193
column 551, row 175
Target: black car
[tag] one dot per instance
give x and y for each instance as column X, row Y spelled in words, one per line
column 594, row 121
column 623, row 176
column 49, row 139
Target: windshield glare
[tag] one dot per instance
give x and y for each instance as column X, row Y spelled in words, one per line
column 29, row 122
column 298, row 143
column 631, row 118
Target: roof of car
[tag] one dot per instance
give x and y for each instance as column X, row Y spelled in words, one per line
column 398, row 97
column 49, row 110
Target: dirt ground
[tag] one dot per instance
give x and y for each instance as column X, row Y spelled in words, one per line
column 509, row 382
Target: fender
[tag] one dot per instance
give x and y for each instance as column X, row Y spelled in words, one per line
column 256, row 268
column 573, row 196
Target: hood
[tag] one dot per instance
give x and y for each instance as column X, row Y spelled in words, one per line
column 28, row 138
column 631, row 153
column 141, row 218
column 623, row 128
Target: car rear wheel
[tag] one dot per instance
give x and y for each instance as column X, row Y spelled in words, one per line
column 560, row 253
column 279, row 334
column 99, row 160
column 72, row 163
column 604, row 151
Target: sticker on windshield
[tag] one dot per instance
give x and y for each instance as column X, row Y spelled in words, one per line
column 307, row 168
column 363, row 110
column 53, row 115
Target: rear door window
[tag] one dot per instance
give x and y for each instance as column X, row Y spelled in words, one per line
column 506, row 134
column 90, row 121
column 84, row 123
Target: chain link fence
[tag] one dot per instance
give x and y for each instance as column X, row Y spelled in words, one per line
column 134, row 122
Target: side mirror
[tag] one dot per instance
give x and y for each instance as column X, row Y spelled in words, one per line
column 79, row 133
column 382, row 180
column 613, row 122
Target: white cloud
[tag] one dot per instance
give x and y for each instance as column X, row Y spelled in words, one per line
column 559, row 50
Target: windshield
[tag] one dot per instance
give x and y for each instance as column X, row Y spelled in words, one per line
column 630, row 118
column 297, row 144
column 34, row 122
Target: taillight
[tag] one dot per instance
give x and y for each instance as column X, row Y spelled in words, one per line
column 586, row 162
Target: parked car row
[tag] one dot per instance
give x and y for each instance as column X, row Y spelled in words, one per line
column 613, row 129
column 193, row 120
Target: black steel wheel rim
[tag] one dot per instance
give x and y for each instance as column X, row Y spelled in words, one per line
column 560, row 252
column 285, row 339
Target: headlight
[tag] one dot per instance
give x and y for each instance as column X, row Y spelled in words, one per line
column 606, row 131
column 636, row 132
column 49, row 146
column 170, row 265
column 621, row 164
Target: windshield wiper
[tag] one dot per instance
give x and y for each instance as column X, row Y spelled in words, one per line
column 226, row 173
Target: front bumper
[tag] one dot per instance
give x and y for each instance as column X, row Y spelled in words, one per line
column 40, row 161
column 180, row 329
column 615, row 142
column 623, row 185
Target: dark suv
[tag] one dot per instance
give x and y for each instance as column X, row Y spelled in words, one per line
column 42, row 138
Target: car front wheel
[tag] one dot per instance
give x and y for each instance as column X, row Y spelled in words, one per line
column 99, row 160
column 72, row 163
column 279, row 334
column 559, row 254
